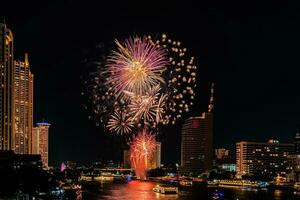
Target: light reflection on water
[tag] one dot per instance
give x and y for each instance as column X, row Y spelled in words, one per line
column 135, row 190
column 139, row 190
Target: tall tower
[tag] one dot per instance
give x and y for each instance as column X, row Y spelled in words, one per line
column 40, row 141
column 23, row 104
column 6, row 88
column 197, row 141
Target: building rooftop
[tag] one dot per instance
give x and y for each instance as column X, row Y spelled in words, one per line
column 43, row 124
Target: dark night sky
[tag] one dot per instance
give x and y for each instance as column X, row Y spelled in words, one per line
column 251, row 51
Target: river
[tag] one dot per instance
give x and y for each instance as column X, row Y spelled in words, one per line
column 138, row 190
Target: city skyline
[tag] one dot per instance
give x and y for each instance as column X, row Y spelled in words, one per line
column 254, row 71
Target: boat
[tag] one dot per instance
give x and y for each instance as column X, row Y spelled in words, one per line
column 214, row 183
column 239, row 183
column 164, row 189
column 97, row 177
column 71, row 187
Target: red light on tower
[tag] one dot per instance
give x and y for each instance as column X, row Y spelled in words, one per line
column 195, row 123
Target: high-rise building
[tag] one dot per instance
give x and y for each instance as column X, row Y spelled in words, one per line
column 221, row 153
column 196, row 144
column 126, row 159
column 35, row 141
column 6, row 88
column 23, row 105
column 269, row 158
column 155, row 161
column 16, row 97
column 294, row 160
column 197, row 141
column 40, row 141
column 297, row 143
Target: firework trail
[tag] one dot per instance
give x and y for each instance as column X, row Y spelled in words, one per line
column 142, row 149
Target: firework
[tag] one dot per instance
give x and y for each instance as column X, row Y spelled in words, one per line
column 152, row 79
column 142, row 107
column 99, row 99
column 180, row 78
column 136, row 66
column 120, row 123
column 144, row 83
column 142, row 149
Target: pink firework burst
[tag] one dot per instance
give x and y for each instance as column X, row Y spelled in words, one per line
column 136, row 66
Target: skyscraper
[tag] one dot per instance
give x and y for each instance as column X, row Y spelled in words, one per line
column 6, row 89
column 40, row 141
column 196, row 141
column 294, row 160
column 126, row 159
column 155, row 161
column 269, row 157
column 35, row 140
column 23, row 105
column 221, row 153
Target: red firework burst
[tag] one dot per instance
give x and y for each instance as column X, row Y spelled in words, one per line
column 141, row 151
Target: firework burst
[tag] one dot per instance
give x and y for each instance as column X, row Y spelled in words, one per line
column 120, row 123
column 142, row 149
column 136, row 66
column 180, row 78
column 99, row 99
column 143, row 107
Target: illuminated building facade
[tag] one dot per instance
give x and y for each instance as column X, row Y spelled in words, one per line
column 126, row 159
column 297, row 143
column 155, row 161
column 221, row 153
column 6, row 88
column 16, row 98
column 294, row 160
column 35, row 141
column 269, row 158
column 196, row 144
column 229, row 167
column 40, row 141
column 197, row 141
column 23, row 107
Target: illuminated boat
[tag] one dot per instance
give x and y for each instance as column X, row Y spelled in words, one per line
column 163, row 189
column 71, row 187
column 214, row 183
column 237, row 183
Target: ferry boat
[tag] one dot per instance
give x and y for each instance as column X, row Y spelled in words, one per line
column 237, row 183
column 163, row 189
column 98, row 178
column 214, row 183
column 71, row 187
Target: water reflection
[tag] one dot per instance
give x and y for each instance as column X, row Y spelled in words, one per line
column 139, row 190
column 136, row 190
